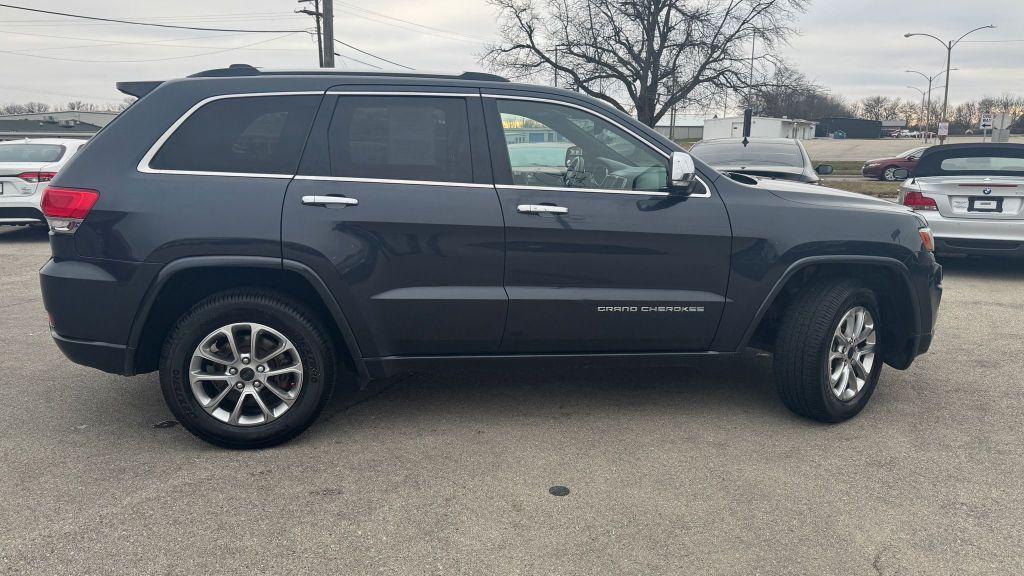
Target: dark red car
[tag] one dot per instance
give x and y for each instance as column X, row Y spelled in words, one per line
column 885, row 168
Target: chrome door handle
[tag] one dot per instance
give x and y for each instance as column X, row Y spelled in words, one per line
column 329, row 200
column 541, row 209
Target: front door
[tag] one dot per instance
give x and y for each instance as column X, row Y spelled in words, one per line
column 395, row 209
column 600, row 257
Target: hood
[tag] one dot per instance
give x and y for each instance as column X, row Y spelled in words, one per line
column 886, row 159
column 825, row 196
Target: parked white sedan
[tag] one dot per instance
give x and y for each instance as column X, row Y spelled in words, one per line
column 25, row 168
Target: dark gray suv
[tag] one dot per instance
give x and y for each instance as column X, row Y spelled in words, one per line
column 260, row 237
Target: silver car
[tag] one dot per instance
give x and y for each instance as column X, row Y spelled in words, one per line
column 972, row 196
column 778, row 158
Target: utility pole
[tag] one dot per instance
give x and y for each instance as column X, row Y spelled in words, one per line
column 319, row 36
column 328, row 33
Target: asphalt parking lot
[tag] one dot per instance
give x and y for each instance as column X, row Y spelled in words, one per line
column 692, row 470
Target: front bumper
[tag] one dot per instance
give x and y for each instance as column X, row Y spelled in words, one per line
column 976, row 236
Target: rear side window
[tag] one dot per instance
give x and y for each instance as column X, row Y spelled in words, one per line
column 401, row 138
column 31, row 152
column 250, row 135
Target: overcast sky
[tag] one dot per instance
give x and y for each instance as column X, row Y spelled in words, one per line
column 854, row 47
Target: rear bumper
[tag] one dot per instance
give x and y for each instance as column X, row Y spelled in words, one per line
column 112, row 358
column 11, row 214
column 976, row 236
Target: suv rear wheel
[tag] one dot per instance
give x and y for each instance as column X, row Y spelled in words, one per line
column 826, row 355
column 247, row 369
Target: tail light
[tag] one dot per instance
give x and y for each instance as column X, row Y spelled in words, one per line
column 927, row 240
column 37, row 176
column 66, row 208
column 919, row 201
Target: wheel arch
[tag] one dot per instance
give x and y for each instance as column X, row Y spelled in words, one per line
column 182, row 283
column 887, row 277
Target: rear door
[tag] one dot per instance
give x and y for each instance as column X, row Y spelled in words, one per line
column 394, row 207
column 600, row 258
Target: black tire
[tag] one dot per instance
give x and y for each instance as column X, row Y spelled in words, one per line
column 803, row 344
column 315, row 350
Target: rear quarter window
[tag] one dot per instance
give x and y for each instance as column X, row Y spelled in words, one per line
column 248, row 135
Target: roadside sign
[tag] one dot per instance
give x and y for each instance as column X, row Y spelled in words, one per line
column 943, row 129
column 986, row 121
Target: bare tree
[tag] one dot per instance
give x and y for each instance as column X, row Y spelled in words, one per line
column 873, row 107
column 789, row 93
column 644, row 56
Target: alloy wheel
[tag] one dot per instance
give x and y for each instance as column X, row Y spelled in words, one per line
column 245, row 374
column 851, row 353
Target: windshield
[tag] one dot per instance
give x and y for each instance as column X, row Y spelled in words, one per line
column 911, row 152
column 523, row 155
column 30, row 152
column 753, row 154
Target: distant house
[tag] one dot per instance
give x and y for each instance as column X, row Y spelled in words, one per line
column 65, row 124
column 687, row 127
column 891, row 126
column 760, row 127
column 850, row 127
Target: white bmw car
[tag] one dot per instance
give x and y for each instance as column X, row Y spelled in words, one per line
column 972, row 196
column 25, row 168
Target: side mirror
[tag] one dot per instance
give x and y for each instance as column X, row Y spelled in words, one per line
column 682, row 173
column 824, row 169
column 901, row 173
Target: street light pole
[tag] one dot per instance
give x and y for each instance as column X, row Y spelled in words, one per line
column 930, row 79
column 923, row 109
column 948, row 45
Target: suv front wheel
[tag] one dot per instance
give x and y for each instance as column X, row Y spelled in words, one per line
column 827, row 354
column 247, row 369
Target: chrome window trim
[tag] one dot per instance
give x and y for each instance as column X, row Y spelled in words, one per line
column 391, row 181
column 145, row 168
column 397, row 93
column 706, row 194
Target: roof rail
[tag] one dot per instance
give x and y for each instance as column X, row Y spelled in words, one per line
column 248, row 70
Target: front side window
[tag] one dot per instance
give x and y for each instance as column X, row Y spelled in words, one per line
column 423, row 138
column 558, row 146
column 248, row 135
column 31, row 152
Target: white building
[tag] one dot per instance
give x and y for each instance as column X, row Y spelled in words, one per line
column 687, row 127
column 760, row 127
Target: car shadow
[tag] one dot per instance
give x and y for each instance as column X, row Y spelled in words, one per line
column 704, row 388
column 989, row 267
column 23, row 234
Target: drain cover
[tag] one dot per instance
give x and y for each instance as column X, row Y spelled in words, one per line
column 559, row 490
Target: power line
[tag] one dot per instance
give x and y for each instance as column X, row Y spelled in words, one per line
column 59, row 59
column 115, row 20
column 421, row 28
column 361, row 51
column 360, row 61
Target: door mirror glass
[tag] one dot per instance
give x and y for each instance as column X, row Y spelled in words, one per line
column 824, row 169
column 683, row 172
column 901, row 173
